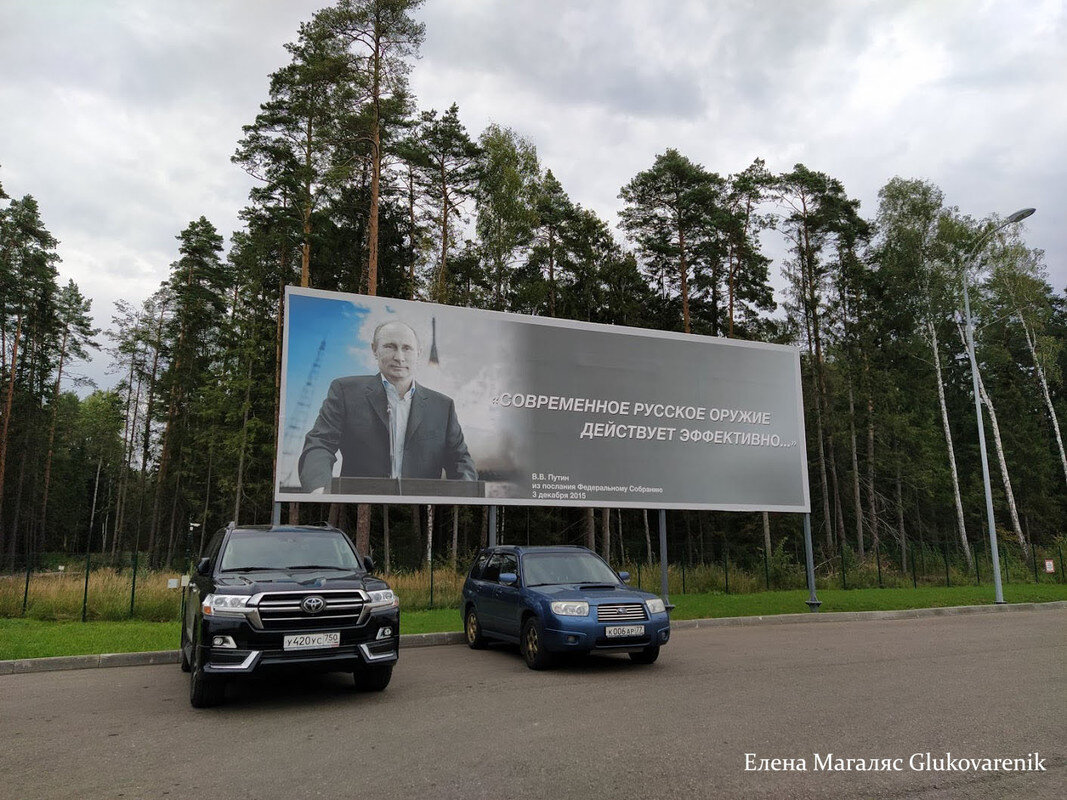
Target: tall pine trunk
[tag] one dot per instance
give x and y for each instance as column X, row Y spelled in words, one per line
column 856, row 491
column 809, row 307
column 133, row 410
column 683, row 273
column 147, row 439
column 386, row 550
column 454, row 553
column 901, row 534
column 429, row 536
column 52, row 432
column 872, row 495
column 4, row 430
column 239, row 490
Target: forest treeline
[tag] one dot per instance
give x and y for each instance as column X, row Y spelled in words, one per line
column 358, row 189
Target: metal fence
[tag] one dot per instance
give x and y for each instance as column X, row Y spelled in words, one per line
column 97, row 587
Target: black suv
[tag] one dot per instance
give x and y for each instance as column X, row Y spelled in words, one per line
column 286, row 596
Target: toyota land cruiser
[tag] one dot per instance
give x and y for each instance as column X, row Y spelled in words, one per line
column 286, row 596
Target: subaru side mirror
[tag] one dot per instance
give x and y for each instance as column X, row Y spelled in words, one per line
column 624, row 577
column 509, row 578
column 203, row 567
column 368, row 562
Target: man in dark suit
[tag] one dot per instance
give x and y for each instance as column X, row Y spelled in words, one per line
column 386, row 425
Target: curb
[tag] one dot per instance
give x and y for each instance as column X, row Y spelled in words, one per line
column 25, row 665
column 856, row 616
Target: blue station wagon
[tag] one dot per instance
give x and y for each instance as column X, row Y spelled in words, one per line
column 552, row 600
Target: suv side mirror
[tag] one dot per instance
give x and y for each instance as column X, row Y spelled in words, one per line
column 624, row 576
column 368, row 563
column 509, row 578
column 203, row 567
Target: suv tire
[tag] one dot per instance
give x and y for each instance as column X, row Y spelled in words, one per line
column 205, row 690
column 532, row 645
column 472, row 628
column 373, row 679
column 646, row 656
column 183, row 659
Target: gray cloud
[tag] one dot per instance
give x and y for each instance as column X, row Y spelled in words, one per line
column 120, row 117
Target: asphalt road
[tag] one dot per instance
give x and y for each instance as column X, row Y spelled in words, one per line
column 456, row 723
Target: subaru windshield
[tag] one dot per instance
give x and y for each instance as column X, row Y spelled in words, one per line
column 540, row 569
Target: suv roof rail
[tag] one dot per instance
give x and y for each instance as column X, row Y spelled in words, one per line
column 231, row 524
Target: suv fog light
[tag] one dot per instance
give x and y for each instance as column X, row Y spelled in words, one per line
column 224, row 641
column 384, row 633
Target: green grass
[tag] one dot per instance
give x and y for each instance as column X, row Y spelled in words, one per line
column 435, row 620
column 30, row 638
column 705, row 606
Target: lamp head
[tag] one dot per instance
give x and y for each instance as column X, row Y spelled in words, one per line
column 1021, row 214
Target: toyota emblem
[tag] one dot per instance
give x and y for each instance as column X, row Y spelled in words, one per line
column 313, row 604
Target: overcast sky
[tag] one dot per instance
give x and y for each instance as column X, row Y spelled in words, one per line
column 121, row 117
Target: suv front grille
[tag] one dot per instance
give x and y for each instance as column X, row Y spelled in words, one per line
column 283, row 610
column 621, row 612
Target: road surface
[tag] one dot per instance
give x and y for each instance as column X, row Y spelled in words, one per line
column 461, row 724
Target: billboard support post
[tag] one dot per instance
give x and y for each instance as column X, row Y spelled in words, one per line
column 276, row 514
column 492, row 526
column 809, row 557
column 663, row 554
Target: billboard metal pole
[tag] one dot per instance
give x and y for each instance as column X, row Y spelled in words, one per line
column 492, row 526
column 276, row 514
column 812, row 601
column 663, row 554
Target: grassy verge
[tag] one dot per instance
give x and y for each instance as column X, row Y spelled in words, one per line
column 29, row 638
column 706, row 606
column 32, row 638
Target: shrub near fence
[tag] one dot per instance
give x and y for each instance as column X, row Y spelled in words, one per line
column 54, row 594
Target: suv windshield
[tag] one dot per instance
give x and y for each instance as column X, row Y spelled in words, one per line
column 549, row 568
column 273, row 550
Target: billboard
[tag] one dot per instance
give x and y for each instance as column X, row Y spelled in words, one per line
column 392, row 401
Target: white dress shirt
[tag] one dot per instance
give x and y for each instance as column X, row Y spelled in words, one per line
column 399, row 409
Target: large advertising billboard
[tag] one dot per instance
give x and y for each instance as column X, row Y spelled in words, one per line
column 392, row 401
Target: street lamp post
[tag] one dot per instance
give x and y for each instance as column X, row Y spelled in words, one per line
column 972, row 257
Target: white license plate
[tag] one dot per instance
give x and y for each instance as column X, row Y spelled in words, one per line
column 613, row 631
column 311, row 641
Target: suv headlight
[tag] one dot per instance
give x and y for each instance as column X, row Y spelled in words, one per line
column 383, row 598
column 655, row 606
column 227, row 605
column 570, row 608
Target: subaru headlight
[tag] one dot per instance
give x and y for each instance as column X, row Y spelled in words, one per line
column 383, row 598
column 570, row 608
column 655, row 606
column 226, row 605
